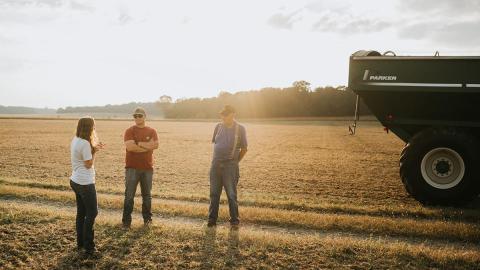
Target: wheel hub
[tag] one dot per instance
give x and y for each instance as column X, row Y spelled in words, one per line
column 442, row 168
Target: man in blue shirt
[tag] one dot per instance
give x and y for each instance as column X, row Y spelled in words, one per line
column 230, row 146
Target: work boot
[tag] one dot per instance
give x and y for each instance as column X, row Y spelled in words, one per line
column 92, row 253
column 212, row 223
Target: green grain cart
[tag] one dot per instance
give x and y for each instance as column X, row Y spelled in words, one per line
column 432, row 103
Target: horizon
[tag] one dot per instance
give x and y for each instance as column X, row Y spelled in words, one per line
column 153, row 101
column 60, row 53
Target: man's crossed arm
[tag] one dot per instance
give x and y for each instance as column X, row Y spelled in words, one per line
column 141, row 147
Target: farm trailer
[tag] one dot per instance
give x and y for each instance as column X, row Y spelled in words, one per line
column 432, row 103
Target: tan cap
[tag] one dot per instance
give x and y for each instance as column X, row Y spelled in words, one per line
column 140, row 110
column 227, row 110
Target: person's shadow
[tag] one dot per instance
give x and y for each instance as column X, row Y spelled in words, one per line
column 209, row 249
column 76, row 260
column 233, row 251
column 211, row 253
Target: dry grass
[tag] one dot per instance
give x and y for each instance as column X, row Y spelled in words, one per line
column 173, row 246
column 313, row 179
column 418, row 211
column 377, row 226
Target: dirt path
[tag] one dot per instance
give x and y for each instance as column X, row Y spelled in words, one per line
column 272, row 230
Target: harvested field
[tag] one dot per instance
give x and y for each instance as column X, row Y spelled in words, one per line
column 311, row 196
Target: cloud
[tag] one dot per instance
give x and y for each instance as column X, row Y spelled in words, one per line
column 284, row 21
column 11, row 64
column 351, row 25
column 124, row 18
column 453, row 23
column 442, row 22
column 37, row 11
column 6, row 40
column 38, row 3
column 458, row 34
column 345, row 17
column 75, row 5
column 417, row 31
column 186, row 20
column 19, row 16
column 446, row 7
column 329, row 6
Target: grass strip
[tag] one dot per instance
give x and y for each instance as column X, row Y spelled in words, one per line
column 406, row 227
column 406, row 211
column 25, row 244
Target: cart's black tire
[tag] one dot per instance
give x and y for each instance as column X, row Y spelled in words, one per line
column 441, row 166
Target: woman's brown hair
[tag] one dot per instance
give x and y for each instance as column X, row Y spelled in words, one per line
column 85, row 130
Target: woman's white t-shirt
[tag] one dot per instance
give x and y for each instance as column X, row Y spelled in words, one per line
column 81, row 151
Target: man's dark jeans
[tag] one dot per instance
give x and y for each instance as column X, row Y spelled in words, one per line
column 132, row 178
column 224, row 174
column 86, row 197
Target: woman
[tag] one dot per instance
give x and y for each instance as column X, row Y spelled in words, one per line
column 83, row 148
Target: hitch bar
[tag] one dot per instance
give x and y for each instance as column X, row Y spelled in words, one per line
column 352, row 128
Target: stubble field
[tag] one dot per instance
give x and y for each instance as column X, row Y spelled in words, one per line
column 311, row 196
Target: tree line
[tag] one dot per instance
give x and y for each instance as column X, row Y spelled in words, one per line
column 152, row 108
column 298, row 100
column 24, row 110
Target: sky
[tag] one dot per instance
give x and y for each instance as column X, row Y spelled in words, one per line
column 58, row 53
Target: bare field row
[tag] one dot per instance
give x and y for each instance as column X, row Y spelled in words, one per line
column 287, row 165
column 298, row 163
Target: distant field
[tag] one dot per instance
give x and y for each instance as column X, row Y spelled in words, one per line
column 311, row 196
column 125, row 116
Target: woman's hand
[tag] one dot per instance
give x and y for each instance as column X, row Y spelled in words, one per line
column 98, row 147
